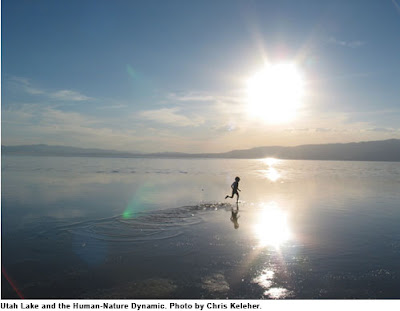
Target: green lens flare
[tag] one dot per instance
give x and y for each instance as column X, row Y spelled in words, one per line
column 137, row 204
column 131, row 72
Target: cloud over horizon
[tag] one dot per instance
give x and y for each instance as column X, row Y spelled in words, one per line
column 188, row 122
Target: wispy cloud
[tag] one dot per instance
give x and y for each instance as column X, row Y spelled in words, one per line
column 114, row 106
column 349, row 44
column 383, row 130
column 229, row 127
column 184, row 121
column 312, row 130
column 203, row 97
column 18, row 114
column 36, row 114
column 170, row 116
column 223, row 110
column 33, row 123
column 192, row 97
column 25, row 85
column 68, row 95
column 57, row 117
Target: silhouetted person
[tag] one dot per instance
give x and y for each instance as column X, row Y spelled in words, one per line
column 235, row 189
column 235, row 217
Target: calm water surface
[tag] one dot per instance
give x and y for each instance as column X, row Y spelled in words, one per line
column 160, row 228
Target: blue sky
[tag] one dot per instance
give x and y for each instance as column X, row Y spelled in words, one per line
column 171, row 75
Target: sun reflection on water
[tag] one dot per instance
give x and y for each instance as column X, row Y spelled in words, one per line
column 271, row 173
column 265, row 280
column 270, row 161
column 276, row 292
column 272, row 227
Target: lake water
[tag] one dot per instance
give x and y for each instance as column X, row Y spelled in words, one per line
column 161, row 228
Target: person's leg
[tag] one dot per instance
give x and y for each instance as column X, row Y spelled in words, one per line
column 233, row 193
column 237, row 199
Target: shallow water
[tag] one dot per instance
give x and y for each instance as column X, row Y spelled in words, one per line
column 160, row 228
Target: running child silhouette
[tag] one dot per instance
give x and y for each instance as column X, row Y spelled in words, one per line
column 235, row 189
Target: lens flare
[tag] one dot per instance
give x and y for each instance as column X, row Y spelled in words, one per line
column 12, row 284
column 137, row 203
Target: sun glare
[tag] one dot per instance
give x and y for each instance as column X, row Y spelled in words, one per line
column 274, row 93
column 272, row 228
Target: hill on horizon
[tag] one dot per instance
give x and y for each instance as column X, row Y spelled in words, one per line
column 383, row 150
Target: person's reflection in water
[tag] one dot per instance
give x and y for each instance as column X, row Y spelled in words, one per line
column 235, row 216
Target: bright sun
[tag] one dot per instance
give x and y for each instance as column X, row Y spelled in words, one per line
column 275, row 92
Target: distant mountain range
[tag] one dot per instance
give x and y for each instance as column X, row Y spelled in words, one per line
column 384, row 150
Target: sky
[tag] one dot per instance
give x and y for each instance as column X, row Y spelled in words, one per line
column 155, row 76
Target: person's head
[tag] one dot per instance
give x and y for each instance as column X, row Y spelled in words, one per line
column 237, row 179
